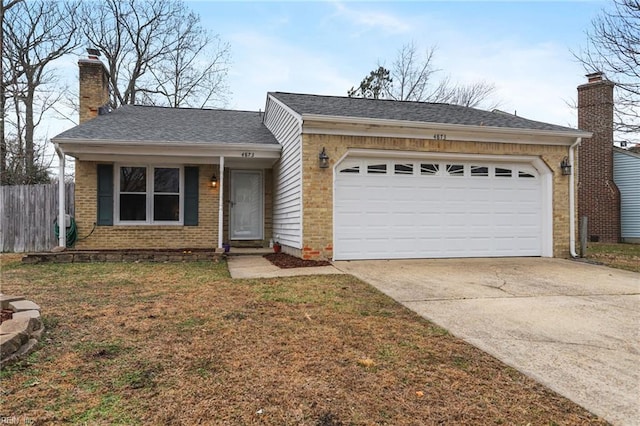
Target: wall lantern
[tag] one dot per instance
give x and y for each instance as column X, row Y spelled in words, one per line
column 323, row 159
column 214, row 181
column 565, row 166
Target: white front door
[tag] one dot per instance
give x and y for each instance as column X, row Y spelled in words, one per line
column 246, row 205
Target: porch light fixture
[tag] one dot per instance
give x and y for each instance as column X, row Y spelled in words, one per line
column 214, row 181
column 565, row 166
column 323, row 159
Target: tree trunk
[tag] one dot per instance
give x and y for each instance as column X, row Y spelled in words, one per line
column 29, row 151
column 3, row 144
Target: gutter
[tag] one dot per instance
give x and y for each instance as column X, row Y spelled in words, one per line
column 572, row 202
column 62, row 235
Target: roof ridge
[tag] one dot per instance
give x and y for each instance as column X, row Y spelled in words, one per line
column 357, row 98
column 186, row 108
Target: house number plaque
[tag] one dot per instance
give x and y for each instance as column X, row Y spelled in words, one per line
column 440, row 137
column 248, row 154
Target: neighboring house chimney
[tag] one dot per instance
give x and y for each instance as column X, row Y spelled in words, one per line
column 598, row 195
column 94, row 86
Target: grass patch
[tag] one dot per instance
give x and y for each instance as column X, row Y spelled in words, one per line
column 98, row 350
column 621, row 256
column 107, row 410
column 182, row 343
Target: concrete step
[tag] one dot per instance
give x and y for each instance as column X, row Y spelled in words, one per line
column 249, row 251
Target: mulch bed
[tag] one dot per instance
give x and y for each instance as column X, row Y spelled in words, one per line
column 286, row 261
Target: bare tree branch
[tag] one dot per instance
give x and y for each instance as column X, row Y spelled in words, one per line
column 412, row 78
column 156, row 52
column 4, row 6
column 35, row 34
column 613, row 47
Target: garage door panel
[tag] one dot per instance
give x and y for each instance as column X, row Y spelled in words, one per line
column 387, row 216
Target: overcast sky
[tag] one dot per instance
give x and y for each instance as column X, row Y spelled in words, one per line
column 326, row 47
column 524, row 48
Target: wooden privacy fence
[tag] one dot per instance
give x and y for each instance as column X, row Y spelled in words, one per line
column 27, row 214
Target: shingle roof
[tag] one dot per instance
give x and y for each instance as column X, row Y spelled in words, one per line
column 165, row 125
column 409, row 111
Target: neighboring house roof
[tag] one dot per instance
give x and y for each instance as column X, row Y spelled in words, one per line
column 626, row 152
column 408, row 111
column 160, row 125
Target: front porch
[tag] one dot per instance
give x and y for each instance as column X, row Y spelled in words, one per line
column 213, row 209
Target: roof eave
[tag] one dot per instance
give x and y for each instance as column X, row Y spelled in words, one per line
column 80, row 148
column 358, row 126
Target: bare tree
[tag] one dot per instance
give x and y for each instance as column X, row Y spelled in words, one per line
column 193, row 73
column 35, row 34
column 156, row 52
column 412, row 74
column 412, row 77
column 4, row 6
column 469, row 95
column 614, row 48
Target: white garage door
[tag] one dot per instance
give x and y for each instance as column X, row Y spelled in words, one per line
column 395, row 209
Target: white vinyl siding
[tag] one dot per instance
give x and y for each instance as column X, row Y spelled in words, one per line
column 626, row 175
column 287, row 174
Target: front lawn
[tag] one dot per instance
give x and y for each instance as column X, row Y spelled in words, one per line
column 184, row 344
column 622, row 256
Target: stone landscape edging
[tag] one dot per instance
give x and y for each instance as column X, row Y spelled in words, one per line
column 131, row 255
column 20, row 334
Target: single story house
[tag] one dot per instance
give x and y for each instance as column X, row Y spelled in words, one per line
column 325, row 176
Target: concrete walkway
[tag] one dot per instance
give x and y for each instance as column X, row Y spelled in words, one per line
column 572, row 326
column 259, row 267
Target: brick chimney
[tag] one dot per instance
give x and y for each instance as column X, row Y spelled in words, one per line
column 94, row 86
column 598, row 195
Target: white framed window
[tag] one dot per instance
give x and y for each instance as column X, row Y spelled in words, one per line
column 354, row 169
column 377, row 169
column 455, row 169
column 503, row 172
column 429, row 169
column 146, row 194
column 525, row 174
column 403, row 168
column 479, row 171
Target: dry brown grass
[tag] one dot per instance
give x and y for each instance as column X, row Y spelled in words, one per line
column 184, row 344
column 621, row 256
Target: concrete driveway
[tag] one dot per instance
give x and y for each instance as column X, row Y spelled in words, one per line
column 572, row 326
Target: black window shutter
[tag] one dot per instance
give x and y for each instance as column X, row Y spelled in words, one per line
column 191, row 196
column 105, row 194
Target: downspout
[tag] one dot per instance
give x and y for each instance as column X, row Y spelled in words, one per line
column 221, row 203
column 572, row 202
column 62, row 234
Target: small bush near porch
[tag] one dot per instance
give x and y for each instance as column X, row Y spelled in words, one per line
column 183, row 343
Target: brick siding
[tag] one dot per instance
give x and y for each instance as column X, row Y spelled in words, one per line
column 205, row 235
column 318, row 183
column 94, row 88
